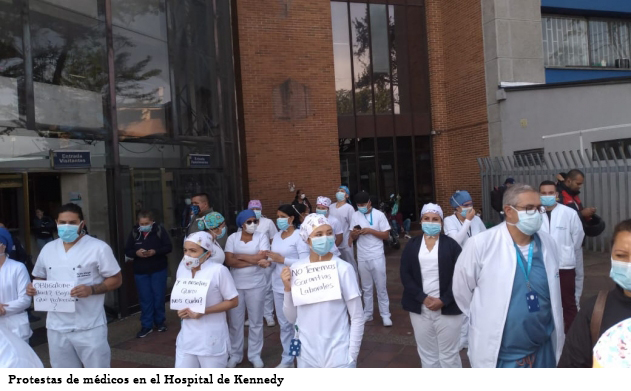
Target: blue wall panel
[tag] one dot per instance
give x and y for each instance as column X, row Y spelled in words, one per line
column 565, row 75
column 613, row 6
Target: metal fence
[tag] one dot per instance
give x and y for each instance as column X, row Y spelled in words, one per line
column 606, row 187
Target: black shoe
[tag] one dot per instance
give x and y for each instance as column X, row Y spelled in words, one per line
column 162, row 328
column 144, row 332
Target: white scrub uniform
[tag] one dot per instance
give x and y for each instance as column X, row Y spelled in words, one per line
column 327, row 338
column 13, row 282
column 344, row 214
column 217, row 255
column 461, row 232
column 337, row 230
column 205, row 342
column 293, row 249
column 79, row 338
column 251, row 284
column 372, row 261
column 15, row 353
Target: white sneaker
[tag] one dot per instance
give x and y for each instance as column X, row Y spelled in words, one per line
column 281, row 365
column 270, row 321
column 387, row 322
column 247, row 323
column 258, row 363
column 368, row 319
column 232, row 363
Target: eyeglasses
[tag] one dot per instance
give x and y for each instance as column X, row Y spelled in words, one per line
column 531, row 210
column 250, row 222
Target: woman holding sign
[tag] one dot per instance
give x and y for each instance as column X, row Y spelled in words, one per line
column 204, row 340
column 287, row 249
column 13, row 282
column 427, row 269
column 324, row 338
column 245, row 255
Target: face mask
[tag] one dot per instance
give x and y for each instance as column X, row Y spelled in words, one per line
column 68, row 233
column 321, row 245
column 303, row 196
column 363, row 209
column 251, row 228
column 195, row 210
column 257, row 213
column 548, row 200
column 431, row 229
column 322, row 211
column 528, row 224
column 340, row 196
column 621, row 274
column 464, row 211
column 192, row 262
column 282, row 223
column 145, row 228
column 223, row 233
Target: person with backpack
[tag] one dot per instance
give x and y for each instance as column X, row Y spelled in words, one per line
column 497, row 195
column 148, row 245
column 607, row 309
column 569, row 191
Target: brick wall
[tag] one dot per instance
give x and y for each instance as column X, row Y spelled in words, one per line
column 458, row 96
column 281, row 40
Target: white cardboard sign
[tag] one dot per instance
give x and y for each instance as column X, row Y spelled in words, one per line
column 189, row 293
column 315, row 282
column 54, row 296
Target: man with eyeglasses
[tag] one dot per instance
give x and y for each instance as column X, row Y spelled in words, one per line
column 506, row 281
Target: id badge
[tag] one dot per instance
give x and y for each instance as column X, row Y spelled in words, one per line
column 294, row 347
column 532, row 298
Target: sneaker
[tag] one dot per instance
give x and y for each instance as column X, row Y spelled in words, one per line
column 144, row 332
column 368, row 319
column 387, row 322
column 232, row 363
column 270, row 321
column 288, row 365
column 162, row 328
column 247, row 323
column 407, row 236
column 258, row 363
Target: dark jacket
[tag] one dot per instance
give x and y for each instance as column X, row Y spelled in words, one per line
column 44, row 227
column 413, row 294
column 158, row 239
column 593, row 226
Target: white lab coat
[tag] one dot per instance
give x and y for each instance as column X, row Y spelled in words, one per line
column 567, row 231
column 482, row 287
column 13, row 282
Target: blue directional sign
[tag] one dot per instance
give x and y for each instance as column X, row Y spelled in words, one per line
column 198, row 161
column 70, row 159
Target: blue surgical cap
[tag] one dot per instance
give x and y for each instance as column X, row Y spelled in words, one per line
column 460, row 197
column 6, row 239
column 244, row 216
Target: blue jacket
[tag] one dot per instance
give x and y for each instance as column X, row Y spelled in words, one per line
column 158, row 239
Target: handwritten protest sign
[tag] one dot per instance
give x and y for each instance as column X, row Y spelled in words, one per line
column 189, row 293
column 315, row 283
column 54, row 296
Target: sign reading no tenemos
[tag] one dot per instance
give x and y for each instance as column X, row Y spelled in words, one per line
column 54, row 296
column 315, row 282
column 189, row 293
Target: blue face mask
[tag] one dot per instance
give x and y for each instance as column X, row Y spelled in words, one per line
column 322, row 245
column 282, row 223
column 68, row 233
column 431, row 229
column 322, row 211
column 528, row 224
column 195, row 210
column 340, row 196
column 464, row 211
column 363, row 209
column 223, row 233
column 621, row 274
column 145, row 228
column 548, row 200
column 257, row 213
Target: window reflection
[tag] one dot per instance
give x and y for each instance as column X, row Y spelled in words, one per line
column 393, row 59
column 361, row 58
column 380, row 58
column 342, row 56
column 141, row 16
column 11, row 64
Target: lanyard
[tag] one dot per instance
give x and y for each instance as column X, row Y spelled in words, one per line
column 370, row 221
column 520, row 256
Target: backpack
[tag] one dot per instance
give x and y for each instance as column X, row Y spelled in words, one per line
column 496, row 198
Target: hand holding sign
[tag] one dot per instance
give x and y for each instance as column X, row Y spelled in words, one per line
column 315, row 282
column 53, row 296
column 189, row 293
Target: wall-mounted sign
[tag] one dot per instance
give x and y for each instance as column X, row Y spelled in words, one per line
column 70, row 159
column 198, row 161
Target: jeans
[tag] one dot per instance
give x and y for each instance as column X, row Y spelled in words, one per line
column 42, row 242
column 406, row 226
column 151, row 293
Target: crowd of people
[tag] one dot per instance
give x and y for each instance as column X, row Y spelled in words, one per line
column 510, row 294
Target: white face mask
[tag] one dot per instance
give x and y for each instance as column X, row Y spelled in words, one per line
column 251, row 228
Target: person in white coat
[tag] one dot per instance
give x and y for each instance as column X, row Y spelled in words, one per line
column 204, row 339
column 14, row 301
column 564, row 225
column 322, row 208
column 78, row 339
column 370, row 227
column 507, row 281
column 327, row 338
column 246, row 256
column 15, row 353
column 460, row 226
column 268, row 228
column 287, row 249
column 343, row 211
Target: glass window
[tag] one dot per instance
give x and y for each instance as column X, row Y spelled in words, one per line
column 609, row 41
column 380, row 58
column 342, row 56
column 142, row 16
column 69, row 68
column 11, row 65
column 393, row 59
column 564, row 41
column 361, row 58
column 405, row 178
column 424, row 170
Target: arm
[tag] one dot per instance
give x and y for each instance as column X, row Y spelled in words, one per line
column 465, row 276
column 356, row 312
column 23, row 301
column 289, row 309
column 109, row 284
column 405, row 271
column 130, row 248
column 448, row 297
column 383, row 235
column 578, row 234
column 233, row 261
column 458, row 232
column 165, row 243
column 223, row 306
column 338, row 239
column 577, row 351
